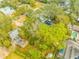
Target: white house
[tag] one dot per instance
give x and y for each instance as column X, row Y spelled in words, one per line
column 7, row 10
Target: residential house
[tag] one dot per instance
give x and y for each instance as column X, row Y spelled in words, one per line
column 7, row 10
column 15, row 39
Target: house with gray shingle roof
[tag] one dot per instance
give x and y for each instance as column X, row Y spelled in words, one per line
column 15, row 38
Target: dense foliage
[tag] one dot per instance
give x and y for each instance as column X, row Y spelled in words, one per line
column 43, row 23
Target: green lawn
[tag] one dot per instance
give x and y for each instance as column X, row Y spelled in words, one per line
column 13, row 56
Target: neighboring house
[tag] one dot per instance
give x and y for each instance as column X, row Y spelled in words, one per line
column 72, row 50
column 15, row 38
column 7, row 10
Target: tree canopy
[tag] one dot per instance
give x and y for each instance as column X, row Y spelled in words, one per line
column 43, row 23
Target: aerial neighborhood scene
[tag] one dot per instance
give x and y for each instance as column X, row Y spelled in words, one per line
column 39, row 29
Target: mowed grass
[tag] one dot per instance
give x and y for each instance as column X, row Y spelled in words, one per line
column 13, row 56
